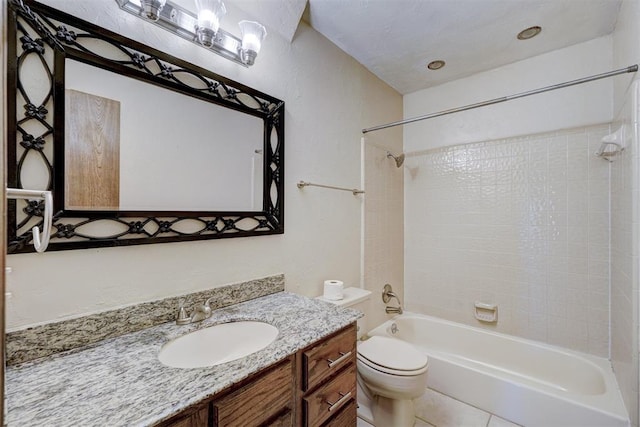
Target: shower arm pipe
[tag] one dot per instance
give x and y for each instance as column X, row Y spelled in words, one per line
column 40, row 242
column 355, row 191
column 629, row 69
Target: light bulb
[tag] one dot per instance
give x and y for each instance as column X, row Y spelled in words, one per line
column 210, row 12
column 253, row 33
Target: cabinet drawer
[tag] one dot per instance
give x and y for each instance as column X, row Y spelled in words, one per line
column 322, row 360
column 329, row 398
column 257, row 402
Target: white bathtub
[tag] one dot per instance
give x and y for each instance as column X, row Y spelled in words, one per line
column 527, row 382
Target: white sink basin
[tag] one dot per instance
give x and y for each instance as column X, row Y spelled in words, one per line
column 217, row 344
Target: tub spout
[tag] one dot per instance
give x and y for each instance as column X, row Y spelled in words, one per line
column 393, row 310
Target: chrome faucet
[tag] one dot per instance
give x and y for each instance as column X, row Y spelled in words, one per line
column 201, row 312
column 387, row 294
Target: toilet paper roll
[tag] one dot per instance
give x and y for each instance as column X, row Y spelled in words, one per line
column 333, row 290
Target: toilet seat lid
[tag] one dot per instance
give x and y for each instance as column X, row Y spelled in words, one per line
column 392, row 353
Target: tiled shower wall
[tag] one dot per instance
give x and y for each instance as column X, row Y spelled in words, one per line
column 625, row 196
column 522, row 223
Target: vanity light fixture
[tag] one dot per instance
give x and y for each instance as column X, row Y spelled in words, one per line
column 202, row 28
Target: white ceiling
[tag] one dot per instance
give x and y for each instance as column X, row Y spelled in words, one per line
column 396, row 39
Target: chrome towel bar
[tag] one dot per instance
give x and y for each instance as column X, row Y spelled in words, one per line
column 355, row 191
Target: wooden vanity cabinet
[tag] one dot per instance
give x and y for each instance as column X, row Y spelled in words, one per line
column 315, row 387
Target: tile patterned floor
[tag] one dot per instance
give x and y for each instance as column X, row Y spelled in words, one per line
column 437, row 410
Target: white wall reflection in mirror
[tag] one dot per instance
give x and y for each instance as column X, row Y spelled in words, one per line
column 176, row 152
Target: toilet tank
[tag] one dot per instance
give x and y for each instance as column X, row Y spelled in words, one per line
column 358, row 299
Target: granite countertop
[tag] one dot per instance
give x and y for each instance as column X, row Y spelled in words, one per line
column 120, row 382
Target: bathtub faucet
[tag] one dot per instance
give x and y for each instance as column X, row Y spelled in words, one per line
column 393, row 310
column 387, row 294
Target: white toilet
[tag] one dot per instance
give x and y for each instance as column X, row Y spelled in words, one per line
column 391, row 372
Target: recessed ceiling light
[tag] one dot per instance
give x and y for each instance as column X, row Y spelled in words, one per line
column 528, row 33
column 436, row 65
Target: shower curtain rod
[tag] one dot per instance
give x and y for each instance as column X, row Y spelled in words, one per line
column 629, row 69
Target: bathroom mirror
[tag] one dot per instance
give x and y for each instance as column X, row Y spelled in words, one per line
column 137, row 146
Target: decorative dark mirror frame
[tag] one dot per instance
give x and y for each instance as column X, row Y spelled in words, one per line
column 50, row 35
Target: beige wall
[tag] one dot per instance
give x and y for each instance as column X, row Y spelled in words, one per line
column 329, row 99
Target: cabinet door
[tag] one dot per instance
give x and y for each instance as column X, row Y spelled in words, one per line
column 284, row 420
column 348, row 416
column 259, row 401
column 196, row 418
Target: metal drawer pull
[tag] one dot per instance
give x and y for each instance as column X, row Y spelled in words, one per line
column 339, row 403
column 339, row 360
